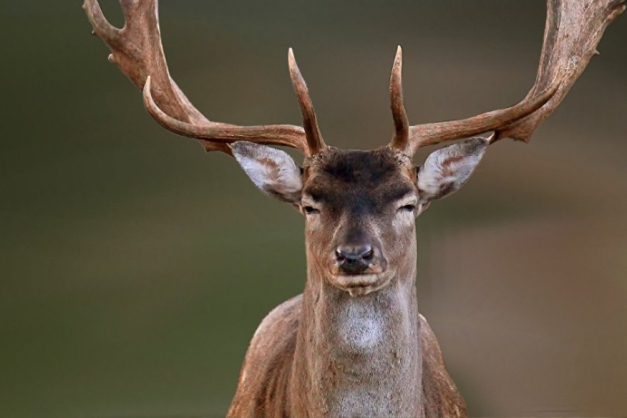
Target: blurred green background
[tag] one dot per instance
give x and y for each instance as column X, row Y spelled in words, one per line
column 134, row 268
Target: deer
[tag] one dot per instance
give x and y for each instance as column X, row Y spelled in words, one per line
column 354, row 343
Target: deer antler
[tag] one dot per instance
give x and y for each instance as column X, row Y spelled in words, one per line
column 571, row 35
column 573, row 30
column 138, row 52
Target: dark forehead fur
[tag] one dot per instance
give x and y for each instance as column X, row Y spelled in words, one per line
column 377, row 176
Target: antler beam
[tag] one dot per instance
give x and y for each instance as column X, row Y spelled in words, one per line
column 572, row 33
column 137, row 50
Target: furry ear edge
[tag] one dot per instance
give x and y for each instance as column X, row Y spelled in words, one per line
column 446, row 170
column 273, row 171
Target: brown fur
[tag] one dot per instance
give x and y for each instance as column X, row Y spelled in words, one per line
column 362, row 351
column 264, row 378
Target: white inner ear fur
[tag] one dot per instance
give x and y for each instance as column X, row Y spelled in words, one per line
column 446, row 170
column 273, row 171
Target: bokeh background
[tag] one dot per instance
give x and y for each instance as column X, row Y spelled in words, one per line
column 134, row 268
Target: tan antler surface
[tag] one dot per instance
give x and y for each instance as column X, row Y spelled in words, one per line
column 310, row 122
column 138, row 52
column 572, row 33
column 573, row 30
column 399, row 115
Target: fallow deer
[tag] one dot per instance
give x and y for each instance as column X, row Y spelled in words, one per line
column 353, row 344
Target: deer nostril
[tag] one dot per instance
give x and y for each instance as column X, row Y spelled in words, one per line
column 354, row 253
column 355, row 259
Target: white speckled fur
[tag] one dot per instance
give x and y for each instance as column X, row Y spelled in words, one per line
column 273, row 171
column 446, row 170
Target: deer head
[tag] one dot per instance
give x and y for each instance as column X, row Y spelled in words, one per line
column 359, row 205
column 360, row 209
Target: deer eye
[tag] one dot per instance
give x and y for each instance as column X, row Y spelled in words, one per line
column 310, row 210
column 407, row 208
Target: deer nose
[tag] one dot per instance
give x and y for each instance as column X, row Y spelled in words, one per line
column 354, row 259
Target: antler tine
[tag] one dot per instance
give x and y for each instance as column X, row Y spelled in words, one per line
column 310, row 123
column 401, row 124
column 105, row 30
column 137, row 50
column 572, row 33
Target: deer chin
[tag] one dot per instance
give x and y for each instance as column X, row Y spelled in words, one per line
column 359, row 284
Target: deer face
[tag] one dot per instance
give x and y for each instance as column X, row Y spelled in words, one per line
column 360, row 206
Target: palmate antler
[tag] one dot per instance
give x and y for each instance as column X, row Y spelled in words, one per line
column 572, row 32
column 137, row 51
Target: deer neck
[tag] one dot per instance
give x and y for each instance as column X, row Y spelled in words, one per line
column 359, row 356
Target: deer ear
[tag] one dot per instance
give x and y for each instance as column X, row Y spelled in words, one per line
column 446, row 170
column 273, row 171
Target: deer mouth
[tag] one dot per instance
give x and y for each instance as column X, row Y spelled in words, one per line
column 359, row 284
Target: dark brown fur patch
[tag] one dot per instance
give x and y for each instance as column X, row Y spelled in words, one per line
column 366, row 181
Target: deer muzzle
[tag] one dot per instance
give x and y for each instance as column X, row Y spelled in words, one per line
column 358, row 268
